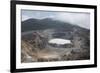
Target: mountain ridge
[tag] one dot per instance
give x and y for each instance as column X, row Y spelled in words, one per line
column 46, row 23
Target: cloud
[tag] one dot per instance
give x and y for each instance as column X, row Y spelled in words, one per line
column 80, row 19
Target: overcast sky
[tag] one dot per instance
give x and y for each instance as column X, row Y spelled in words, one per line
column 80, row 19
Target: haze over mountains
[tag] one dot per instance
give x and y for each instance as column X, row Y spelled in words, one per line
column 48, row 23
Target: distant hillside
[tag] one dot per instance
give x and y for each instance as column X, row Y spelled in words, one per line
column 47, row 23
